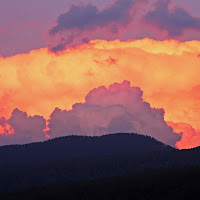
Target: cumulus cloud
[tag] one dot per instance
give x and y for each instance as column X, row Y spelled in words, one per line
column 190, row 137
column 22, row 129
column 174, row 21
column 63, row 80
column 119, row 108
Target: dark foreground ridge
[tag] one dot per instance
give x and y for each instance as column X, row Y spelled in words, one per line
column 163, row 184
column 79, row 158
column 69, row 147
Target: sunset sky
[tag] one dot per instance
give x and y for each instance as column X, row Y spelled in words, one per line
column 98, row 67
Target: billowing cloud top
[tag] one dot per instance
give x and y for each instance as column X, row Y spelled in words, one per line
column 40, row 81
column 118, row 109
column 22, row 129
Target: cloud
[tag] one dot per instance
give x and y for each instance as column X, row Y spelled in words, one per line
column 124, row 19
column 39, row 81
column 91, row 17
column 174, row 21
column 22, row 129
column 119, row 108
column 80, row 18
column 190, row 138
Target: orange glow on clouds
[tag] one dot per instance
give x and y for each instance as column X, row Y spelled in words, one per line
column 167, row 72
column 6, row 129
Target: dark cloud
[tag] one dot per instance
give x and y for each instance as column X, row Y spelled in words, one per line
column 88, row 17
column 82, row 18
column 120, row 108
column 174, row 21
column 134, row 18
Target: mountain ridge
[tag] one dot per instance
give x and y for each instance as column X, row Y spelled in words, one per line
column 78, row 146
column 80, row 158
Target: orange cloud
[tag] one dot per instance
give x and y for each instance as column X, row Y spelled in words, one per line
column 167, row 72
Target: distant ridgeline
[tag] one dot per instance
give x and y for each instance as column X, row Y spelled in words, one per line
column 63, row 148
column 78, row 158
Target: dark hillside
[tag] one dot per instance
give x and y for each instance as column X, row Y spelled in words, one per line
column 78, row 158
column 173, row 184
column 78, row 146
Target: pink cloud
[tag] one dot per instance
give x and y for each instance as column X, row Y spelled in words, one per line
column 119, row 108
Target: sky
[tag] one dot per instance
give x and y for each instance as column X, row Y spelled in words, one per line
column 24, row 25
column 99, row 67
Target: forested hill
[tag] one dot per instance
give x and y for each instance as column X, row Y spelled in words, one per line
column 69, row 147
column 79, row 158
